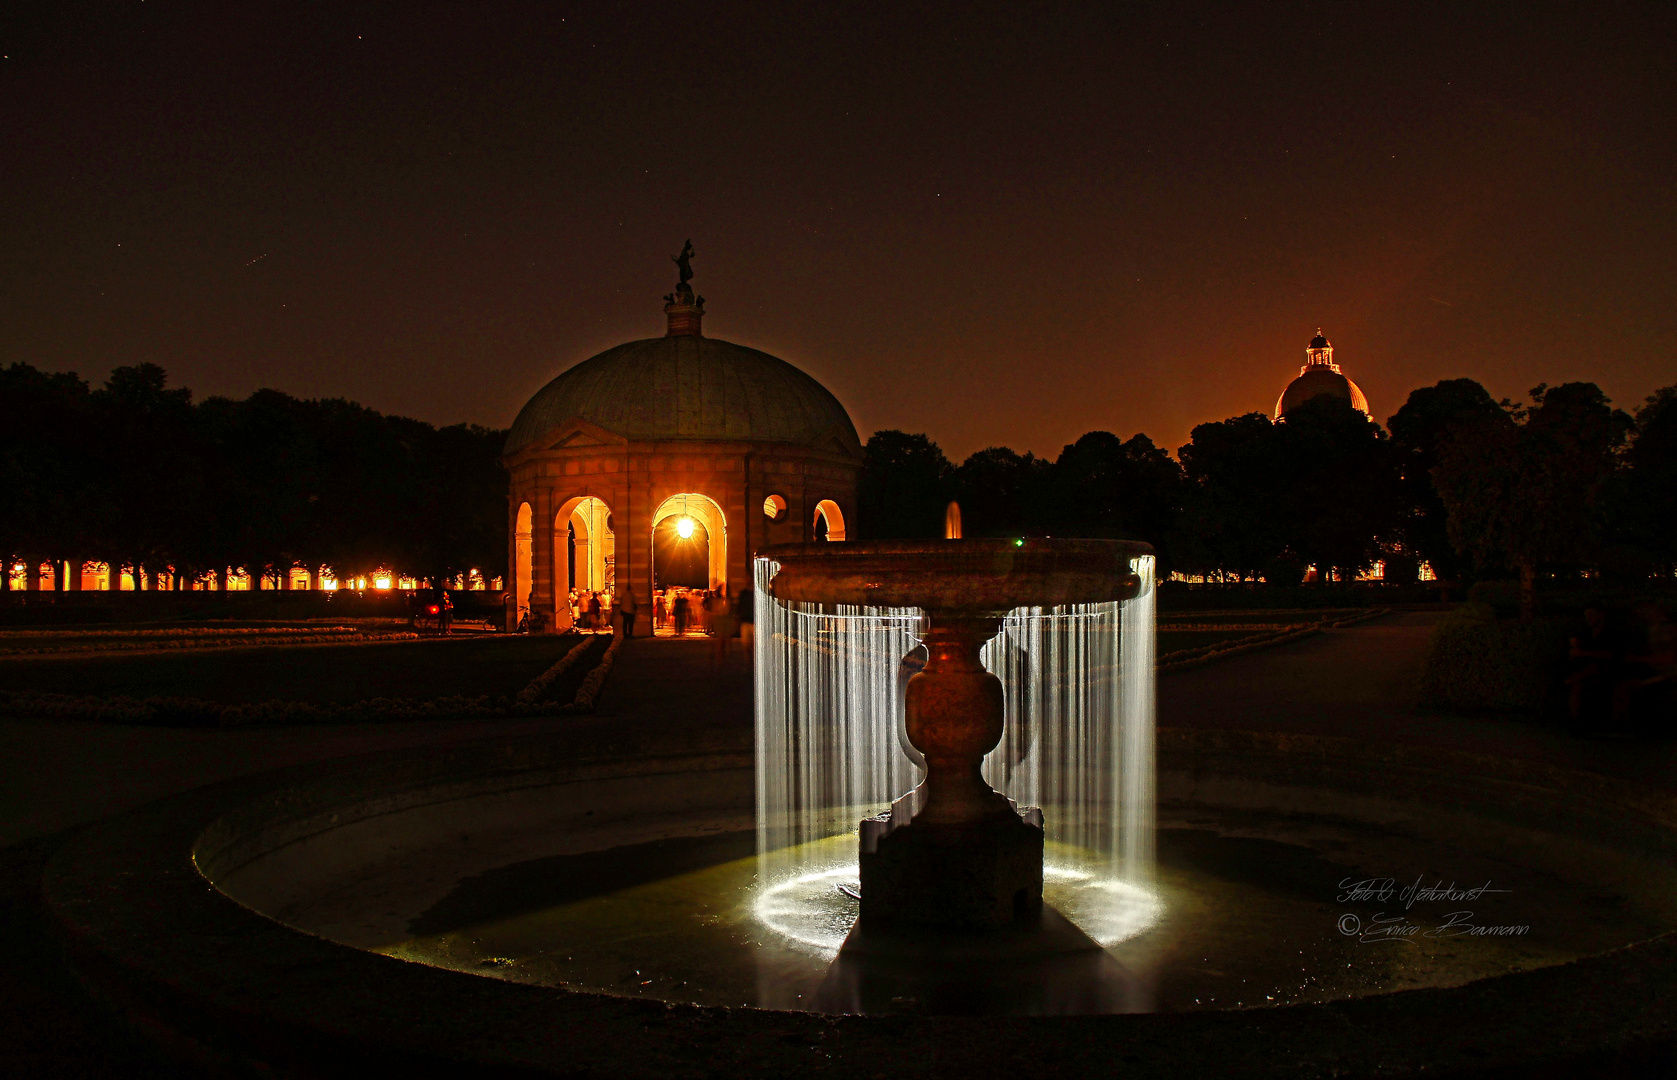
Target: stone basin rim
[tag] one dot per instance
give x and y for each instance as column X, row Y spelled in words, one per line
column 138, row 914
column 983, row 576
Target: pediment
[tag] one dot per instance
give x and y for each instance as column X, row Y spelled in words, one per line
column 577, row 433
column 838, row 439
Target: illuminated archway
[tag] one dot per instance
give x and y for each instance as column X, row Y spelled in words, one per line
column 829, row 520
column 705, row 514
column 523, row 562
column 681, row 553
column 585, row 547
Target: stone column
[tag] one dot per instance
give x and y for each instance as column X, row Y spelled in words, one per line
column 541, row 554
column 634, row 537
column 736, row 507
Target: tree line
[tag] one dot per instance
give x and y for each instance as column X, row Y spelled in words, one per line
column 1456, row 479
column 137, row 475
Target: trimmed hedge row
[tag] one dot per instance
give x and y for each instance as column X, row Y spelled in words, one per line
column 200, row 642
column 1474, row 661
column 198, row 712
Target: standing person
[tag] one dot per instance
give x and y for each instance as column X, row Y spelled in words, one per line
column 680, row 613
column 657, row 610
column 629, row 608
column 724, row 625
column 445, row 614
column 1594, row 660
column 745, row 610
column 1648, row 674
column 593, row 611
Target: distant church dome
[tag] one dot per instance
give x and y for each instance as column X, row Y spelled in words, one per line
column 1319, row 377
column 685, row 386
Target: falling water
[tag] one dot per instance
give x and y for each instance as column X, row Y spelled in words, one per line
column 1078, row 742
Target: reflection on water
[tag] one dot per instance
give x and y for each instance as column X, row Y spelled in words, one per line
column 815, row 909
column 1059, row 965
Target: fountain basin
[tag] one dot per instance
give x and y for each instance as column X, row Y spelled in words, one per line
column 141, row 898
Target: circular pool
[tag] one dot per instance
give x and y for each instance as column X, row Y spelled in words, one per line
column 564, row 905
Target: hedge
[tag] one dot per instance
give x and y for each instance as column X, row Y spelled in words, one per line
column 1474, row 661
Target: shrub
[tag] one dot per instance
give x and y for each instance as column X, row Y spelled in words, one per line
column 1475, row 662
column 1504, row 596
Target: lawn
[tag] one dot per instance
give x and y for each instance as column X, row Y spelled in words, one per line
column 1196, row 630
column 1171, row 640
column 424, row 669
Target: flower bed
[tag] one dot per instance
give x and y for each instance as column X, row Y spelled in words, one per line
column 589, row 692
column 539, row 685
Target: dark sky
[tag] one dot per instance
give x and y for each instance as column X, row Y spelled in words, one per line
column 998, row 224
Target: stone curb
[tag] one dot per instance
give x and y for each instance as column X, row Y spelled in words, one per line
column 1167, row 665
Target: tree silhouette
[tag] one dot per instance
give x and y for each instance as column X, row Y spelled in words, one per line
column 1530, row 486
column 903, row 487
column 134, row 474
column 1430, row 415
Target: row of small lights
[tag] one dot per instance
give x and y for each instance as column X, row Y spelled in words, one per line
column 382, row 582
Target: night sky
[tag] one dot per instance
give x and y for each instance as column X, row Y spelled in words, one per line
column 998, row 224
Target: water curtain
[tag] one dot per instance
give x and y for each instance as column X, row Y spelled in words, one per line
column 1078, row 740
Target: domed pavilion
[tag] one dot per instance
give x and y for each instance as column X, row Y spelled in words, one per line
column 667, row 463
column 1320, row 376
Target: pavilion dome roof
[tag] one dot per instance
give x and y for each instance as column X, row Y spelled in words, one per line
column 688, row 387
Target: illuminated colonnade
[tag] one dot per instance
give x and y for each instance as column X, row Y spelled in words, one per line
column 743, row 443
column 90, row 576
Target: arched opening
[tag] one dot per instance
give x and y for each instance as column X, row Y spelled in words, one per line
column 523, row 562
column 586, row 547
column 680, row 554
column 706, row 531
column 829, row 520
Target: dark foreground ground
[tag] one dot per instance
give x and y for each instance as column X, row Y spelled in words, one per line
column 1357, row 682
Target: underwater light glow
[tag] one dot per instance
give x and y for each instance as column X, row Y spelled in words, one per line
column 814, row 912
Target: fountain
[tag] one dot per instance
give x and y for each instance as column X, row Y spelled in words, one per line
column 637, row 895
column 845, row 720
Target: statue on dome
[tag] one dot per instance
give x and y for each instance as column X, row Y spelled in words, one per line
column 685, row 262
